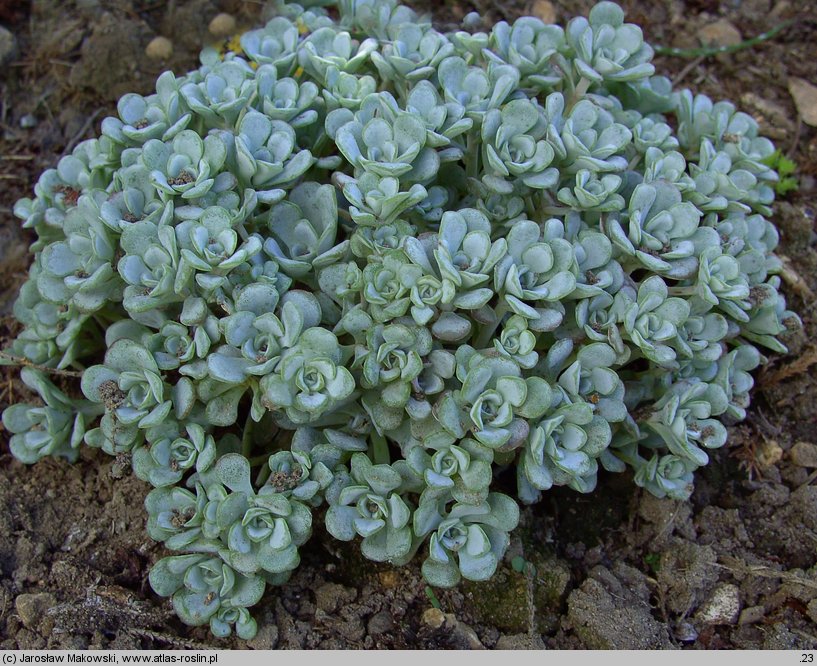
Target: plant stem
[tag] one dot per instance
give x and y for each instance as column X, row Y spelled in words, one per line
column 471, row 156
column 263, row 475
column 708, row 51
column 380, row 449
column 555, row 210
column 246, row 437
column 487, row 333
column 683, row 291
column 320, row 144
column 258, row 460
column 579, row 92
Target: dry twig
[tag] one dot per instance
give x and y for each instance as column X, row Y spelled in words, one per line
column 793, row 280
column 798, row 366
column 737, row 566
column 28, row 364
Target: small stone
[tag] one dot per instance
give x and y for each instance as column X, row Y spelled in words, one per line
column 8, row 46
column 389, row 579
column 722, row 607
column 458, row 634
column 544, row 10
column 380, row 623
column 222, row 25
column 32, row 607
column 159, row 48
column 28, row 121
column 805, row 99
column 719, row 33
column 780, row 8
column 464, row 637
column 434, row 618
column 685, row 632
column 752, row 615
column 804, row 454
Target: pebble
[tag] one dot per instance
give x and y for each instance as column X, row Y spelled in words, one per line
column 8, row 46
column 434, row 618
column 804, row 95
column 222, row 25
column 380, row 623
column 752, row 615
column 28, row 121
column 780, row 8
column 159, row 48
column 722, row 607
column 389, row 579
column 685, row 632
column 804, row 454
column 719, row 33
column 465, row 637
column 544, row 10
column 461, row 635
column 32, row 607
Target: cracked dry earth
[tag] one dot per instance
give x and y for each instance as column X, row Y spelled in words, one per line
column 734, row 567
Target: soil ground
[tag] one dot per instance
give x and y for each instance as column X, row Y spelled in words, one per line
column 734, row 567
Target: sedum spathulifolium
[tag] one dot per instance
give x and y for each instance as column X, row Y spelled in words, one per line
column 357, row 268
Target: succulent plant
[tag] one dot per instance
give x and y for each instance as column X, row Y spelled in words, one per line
column 53, row 429
column 468, row 541
column 370, row 505
column 365, row 265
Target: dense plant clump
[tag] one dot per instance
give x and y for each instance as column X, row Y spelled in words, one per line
column 362, row 270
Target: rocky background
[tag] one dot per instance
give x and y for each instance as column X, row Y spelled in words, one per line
column 735, row 567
